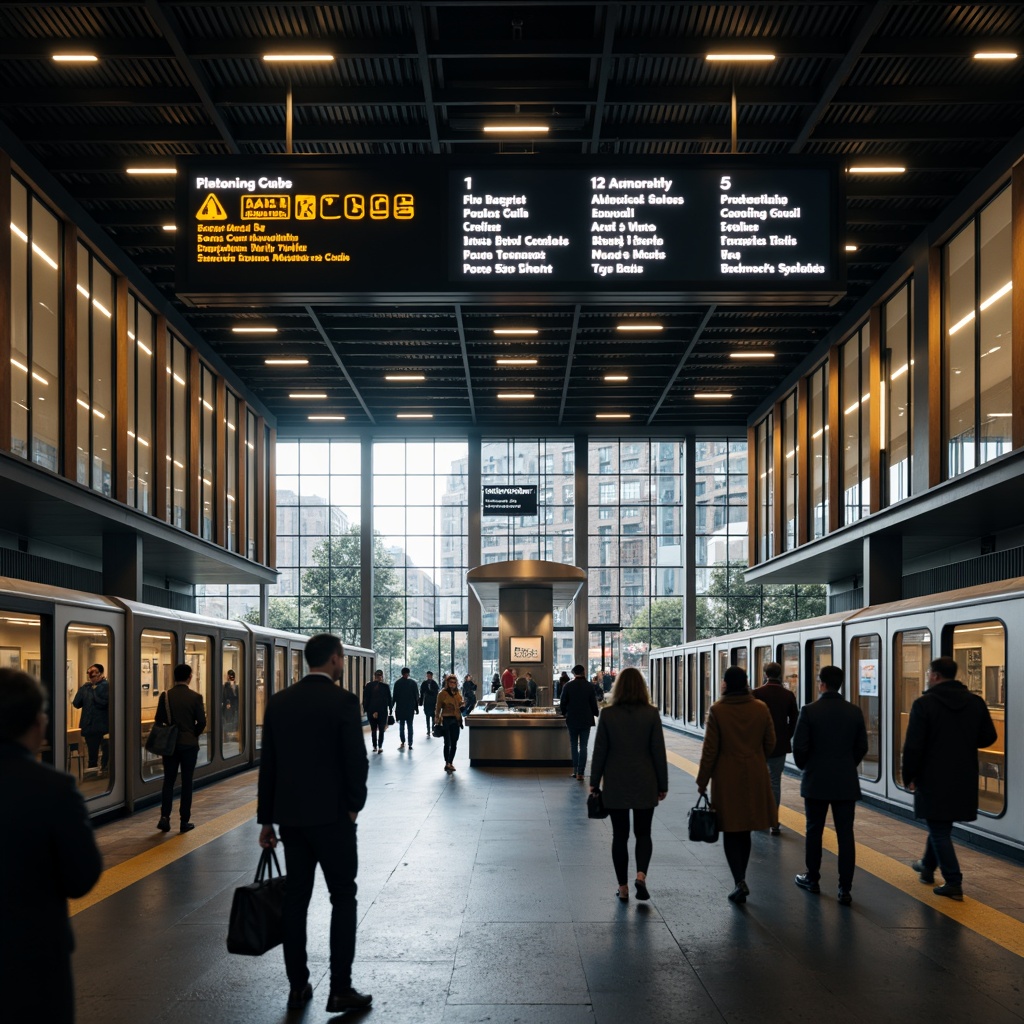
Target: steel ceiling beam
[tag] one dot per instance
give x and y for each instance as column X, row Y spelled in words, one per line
column 682, row 362
column 315, row 320
column 465, row 360
column 568, row 360
column 604, row 67
column 423, row 63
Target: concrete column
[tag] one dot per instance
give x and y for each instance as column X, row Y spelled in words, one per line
column 122, row 565
column 883, row 569
column 474, row 638
column 527, row 612
column 581, row 609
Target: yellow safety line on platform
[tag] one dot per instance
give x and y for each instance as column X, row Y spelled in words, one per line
column 987, row 922
column 166, row 851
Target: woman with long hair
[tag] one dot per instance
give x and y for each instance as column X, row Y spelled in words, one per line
column 629, row 757
column 738, row 737
column 448, row 715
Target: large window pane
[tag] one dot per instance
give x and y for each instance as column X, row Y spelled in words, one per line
column 864, row 680
column 233, row 695
column 91, row 712
column 898, row 389
column 198, row 650
column 157, row 654
column 911, row 655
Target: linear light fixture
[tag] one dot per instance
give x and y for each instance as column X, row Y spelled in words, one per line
column 711, row 395
column 877, row 169
column 516, row 129
column 414, row 416
column 75, row 58
column 515, row 394
column 509, row 361
column 614, row 378
column 995, row 55
column 849, row 248
column 151, row 170
column 254, row 330
column 994, row 297
column 612, row 416
column 307, row 394
column 639, row 327
column 517, row 332
column 285, row 362
column 307, row 58
column 751, row 355
column 332, row 419
column 740, row 56
column 404, row 377
column 169, row 227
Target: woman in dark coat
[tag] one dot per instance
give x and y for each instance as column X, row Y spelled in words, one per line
column 738, row 737
column 629, row 756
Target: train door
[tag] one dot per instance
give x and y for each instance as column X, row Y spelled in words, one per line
column 865, row 684
column 762, row 656
column 691, row 688
column 820, row 652
column 707, row 697
column 234, row 697
column 261, row 680
column 912, row 645
column 677, row 704
column 787, row 654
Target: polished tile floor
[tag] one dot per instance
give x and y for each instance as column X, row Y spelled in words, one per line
column 488, row 896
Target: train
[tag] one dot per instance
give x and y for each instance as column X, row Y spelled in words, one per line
column 885, row 651
column 57, row 634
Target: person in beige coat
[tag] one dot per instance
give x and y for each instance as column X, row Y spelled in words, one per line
column 738, row 737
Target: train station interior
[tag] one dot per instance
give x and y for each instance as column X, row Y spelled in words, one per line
column 748, row 390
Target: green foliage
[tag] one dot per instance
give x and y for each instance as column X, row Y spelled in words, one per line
column 282, row 613
column 659, row 625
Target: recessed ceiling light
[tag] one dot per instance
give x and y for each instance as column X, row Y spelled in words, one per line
column 307, row 394
column 254, row 330
column 741, row 56
column 995, row 55
column 515, row 394
column 332, row 418
column 75, row 58
column 414, row 416
column 615, row 377
column 712, row 394
column 612, row 416
column 520, row 332
column 151, row 170
column 404, row 376
column 169, row 227
column 285, row 362
column 516, row 362
column 515, row 129
column 751, row 355
column 850, row 248
column 639, row 327
column 877, row 169
column 299, row 57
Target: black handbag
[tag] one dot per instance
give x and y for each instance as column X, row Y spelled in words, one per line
column 438, row 730
column 257, row 912
column 391, row 719
column 162, row 740
column 702, row 822
column 595, row 806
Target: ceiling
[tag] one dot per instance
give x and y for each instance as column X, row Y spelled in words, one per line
column 883, row 81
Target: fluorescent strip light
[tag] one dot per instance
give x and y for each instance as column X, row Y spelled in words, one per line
column 313, row 58
column 414, row 416
column 307, row 394
column 524, row 332
column 995, row 55
column 613, row 378
column 712, row 394
column 151, row 170
column 206, row 404
column 95, row 412
column 899, row 373
column 169, row 227
column 612, row 416
column 516, row 362
column 849, row 248
column 516, row 129
column 145, row 348
column 41, row 379
column 103, row 309
column 325, row 418
column 999, row 415
column 254, row 330
column 20, row 366
column 1006, row 288
column 751, row 355
column 515, row 394
column 639, row 327
column 877, row 169
column 286, row 362
column 740, row 56
column 399, row 377
column 83, row 58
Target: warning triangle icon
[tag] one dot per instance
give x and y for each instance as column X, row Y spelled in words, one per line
column 211, row 209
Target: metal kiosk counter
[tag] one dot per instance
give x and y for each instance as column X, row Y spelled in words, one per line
column 506, row 737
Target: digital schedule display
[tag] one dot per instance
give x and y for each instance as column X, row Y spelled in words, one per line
column 305, row 229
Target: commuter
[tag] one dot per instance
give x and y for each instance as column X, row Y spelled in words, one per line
column 312, row 783
column 377, row 703
column 229, row 702
column 50, row 855
column 521, row 689
column 597, row 684
column 428, row 695
column 407, row 701
column 93, row 697
column 508, row 680
column 182, row 707
column 578, row 706
column 629, row 756
column 781, row 703
column 562, row 680
column 448, row 715
column 830, row 741
column 738, row 737
column 531, row 689
column 469, row 692
column 947, row 727
column 495, row 683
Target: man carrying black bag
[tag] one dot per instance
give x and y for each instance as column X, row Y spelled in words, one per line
column 313, row 784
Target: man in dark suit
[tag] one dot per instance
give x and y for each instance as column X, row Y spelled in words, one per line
column 830, row 741
column 49, row 855
column 312, row 782
column 578, row 706
column 781, row 703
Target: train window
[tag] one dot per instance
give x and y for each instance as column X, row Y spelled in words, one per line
column 280, row 680
column 691, row 689
column 705, row 674
column 788, row 656
column 157, row 654
column 20, row 647
column 297, row 672
column 262, row 657
column 911, row 653
column 980, row 653
column 197, row 654
column 723, row 664
column 233, row 697
column 819, row 654
column 863, row 684
column 762, row 655
column 739, row 657
column 677, row 710
column 90, row 718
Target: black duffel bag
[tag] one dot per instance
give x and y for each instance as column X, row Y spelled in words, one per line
column 702, row 822
column 257, row 913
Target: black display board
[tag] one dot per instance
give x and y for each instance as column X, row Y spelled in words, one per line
column 308, row 229
column 510, row 500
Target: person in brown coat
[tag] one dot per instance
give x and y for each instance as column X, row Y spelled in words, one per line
column 738, row 737
column 781, row 703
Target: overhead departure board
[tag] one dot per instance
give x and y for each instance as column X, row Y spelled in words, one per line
column 308, row 230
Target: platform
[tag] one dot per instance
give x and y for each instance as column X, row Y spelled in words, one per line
column 489, row 896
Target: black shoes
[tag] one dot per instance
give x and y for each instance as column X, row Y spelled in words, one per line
column 845, row 897
column 951, row 889
column 164, row 824
column 622, row 898
column 776, row 830
column 298, row 997
column 186, row 826
column 805, row 882
column 740, row 893
column 928, row 877
column 641, row 890
column 350, row 999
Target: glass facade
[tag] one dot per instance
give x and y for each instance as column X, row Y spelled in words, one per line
column 855, row 403
column 898, row 394
column 141, row 382
column 817, row 426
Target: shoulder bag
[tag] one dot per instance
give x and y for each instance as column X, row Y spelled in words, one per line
column 702, row 822
column 163, row 739
column 257, row 912
column 595, row 806
column 438, row 730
